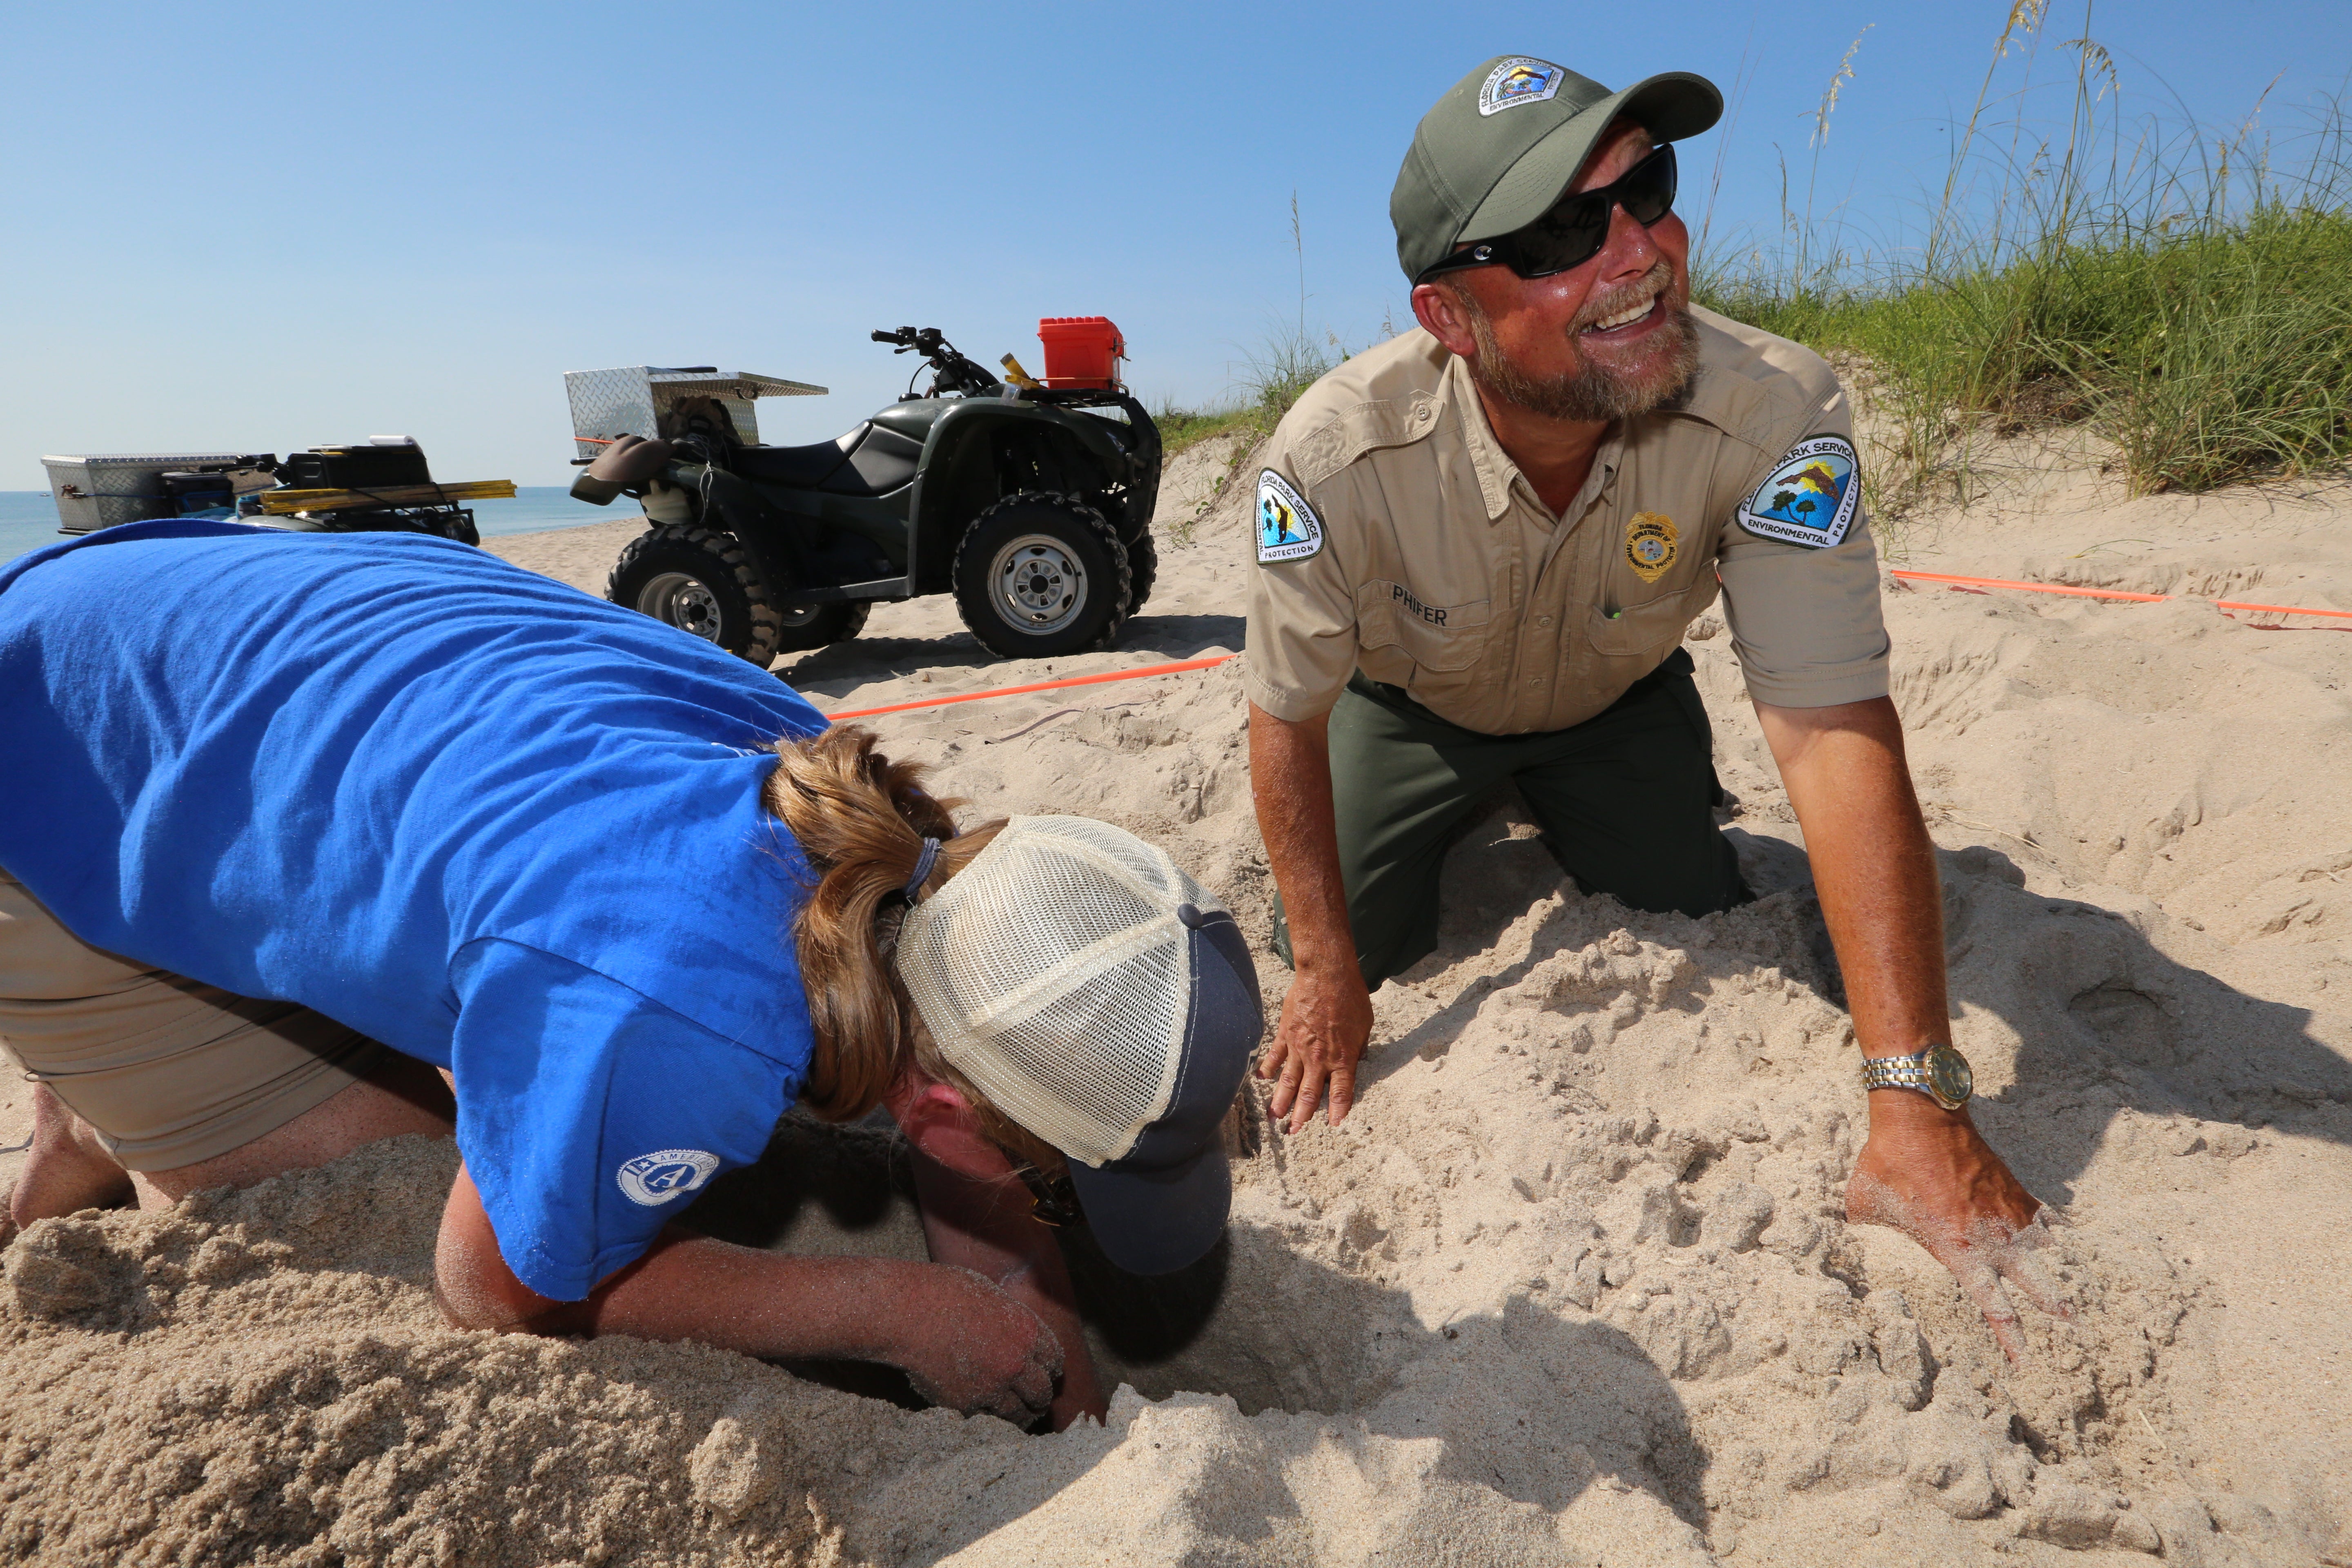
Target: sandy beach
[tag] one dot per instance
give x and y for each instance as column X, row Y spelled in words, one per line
column 1572, row 1285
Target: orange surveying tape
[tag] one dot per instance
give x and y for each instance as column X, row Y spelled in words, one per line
column 2103, row 594
column 1152, row 670
column 1039, row 686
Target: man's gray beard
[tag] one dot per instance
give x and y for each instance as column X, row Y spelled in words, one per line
column 1589, row 394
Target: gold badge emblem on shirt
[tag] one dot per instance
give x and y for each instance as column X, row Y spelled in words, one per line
column 1650, row 541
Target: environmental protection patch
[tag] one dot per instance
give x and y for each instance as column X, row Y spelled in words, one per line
column 655, row 1179
column 1808, row 498
column 1287, row 527
column 1518, row 80
column 1650, row 544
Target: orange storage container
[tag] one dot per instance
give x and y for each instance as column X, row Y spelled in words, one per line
column 1081, row 351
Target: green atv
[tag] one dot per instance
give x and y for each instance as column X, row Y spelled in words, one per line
column 1032, row 506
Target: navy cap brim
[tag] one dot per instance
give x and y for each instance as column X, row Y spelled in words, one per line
column 1157, row 1221
column 1163, row 1204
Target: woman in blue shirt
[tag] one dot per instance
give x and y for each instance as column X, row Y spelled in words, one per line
column 295, row 829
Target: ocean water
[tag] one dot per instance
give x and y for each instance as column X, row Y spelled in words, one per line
column 28, row 518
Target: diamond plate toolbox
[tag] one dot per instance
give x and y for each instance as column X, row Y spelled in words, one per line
column 100, row 491
column 632, row 399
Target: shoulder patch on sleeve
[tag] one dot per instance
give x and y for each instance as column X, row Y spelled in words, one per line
column 1808, row 496
column 1287, row 527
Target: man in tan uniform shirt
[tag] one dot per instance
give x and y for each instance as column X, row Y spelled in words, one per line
column 1480, row 545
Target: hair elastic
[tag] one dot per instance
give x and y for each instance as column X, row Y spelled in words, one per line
column 923, row 863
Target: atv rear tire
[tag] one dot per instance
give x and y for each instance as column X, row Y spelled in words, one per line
column 821, row 626
column 702, row 581
column 1038, row 575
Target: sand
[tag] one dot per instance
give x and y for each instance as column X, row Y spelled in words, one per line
column 1572, row 1286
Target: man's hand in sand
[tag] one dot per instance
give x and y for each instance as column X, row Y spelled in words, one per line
column 1327, row 1016
column 1326, row 1020
column 1927, row 1173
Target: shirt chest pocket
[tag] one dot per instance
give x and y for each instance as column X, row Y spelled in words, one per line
column 1434, row 637
column 1646, row 627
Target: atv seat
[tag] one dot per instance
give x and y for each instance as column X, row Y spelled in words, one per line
column 868, row 461
column 803, row 467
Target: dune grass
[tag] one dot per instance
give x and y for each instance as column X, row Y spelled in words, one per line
column 2187, row 296
column 1287, row 361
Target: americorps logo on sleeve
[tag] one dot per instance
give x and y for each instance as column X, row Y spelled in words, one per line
column 655, row 1179
column 1518, row 80
column 1809, row 497
column 1287, row 527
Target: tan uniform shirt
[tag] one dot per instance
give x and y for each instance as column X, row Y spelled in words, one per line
column 1395, row 536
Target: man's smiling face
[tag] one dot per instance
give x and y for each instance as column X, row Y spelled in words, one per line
column 1608, row 338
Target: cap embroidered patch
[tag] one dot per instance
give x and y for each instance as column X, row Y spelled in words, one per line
column 1287, row 527
column 1649, row 542
column 655, row 1179
column 1808, row 498
column 1518, row 80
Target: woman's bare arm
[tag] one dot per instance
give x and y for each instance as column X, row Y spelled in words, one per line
column 964, row 1342
column 978, row 1216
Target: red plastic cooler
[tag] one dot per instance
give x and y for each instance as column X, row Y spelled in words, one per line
column 1081, row 351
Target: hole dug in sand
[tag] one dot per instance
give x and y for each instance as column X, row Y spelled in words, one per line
column 1578, row 1261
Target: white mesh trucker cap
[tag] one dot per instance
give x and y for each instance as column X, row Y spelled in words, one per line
column 1107, row 1001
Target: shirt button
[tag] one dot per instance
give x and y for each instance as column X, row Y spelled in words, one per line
column 1535, row 680
column 1543, row 620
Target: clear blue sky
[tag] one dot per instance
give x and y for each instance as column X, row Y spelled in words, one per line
column 273, row 226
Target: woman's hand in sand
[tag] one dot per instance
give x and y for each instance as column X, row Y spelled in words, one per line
column 1326, row 1020
column 966, row 1344
column 1929, row 1173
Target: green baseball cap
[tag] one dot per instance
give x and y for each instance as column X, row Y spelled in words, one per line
column 1505, row 140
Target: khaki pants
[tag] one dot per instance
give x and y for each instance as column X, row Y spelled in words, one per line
column 168, row 1070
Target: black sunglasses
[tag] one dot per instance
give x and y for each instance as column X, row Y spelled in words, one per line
column 1053, row 1200
column 1576, row 228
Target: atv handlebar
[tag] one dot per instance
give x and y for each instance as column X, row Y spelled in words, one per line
column 952, row 371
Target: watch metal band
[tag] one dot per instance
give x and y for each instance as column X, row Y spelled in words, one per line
column 1895, row 1072
column 1940, row 1072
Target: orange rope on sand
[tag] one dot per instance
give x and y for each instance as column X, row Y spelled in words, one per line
column 1039, row 686
column 2028, row 587
column 1942, row 577
column 2283, row 609
column 2103, row 593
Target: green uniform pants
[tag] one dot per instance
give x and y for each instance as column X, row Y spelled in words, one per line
column 1626, row 799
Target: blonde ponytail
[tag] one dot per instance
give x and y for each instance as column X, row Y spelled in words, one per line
column 861, row 820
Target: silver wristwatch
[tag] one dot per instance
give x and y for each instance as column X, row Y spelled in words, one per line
column 1939, row 1072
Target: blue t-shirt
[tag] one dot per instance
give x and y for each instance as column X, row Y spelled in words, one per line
column 496, row 824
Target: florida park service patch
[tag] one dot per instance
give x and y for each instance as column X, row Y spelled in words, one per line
column 1809, row 497
column 1287, row 527
column 1518, row 80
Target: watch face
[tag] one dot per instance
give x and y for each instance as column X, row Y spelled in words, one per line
column 1949, row 1077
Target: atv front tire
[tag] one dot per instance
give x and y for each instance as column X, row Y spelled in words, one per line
column 702, row 581
column 1038, row 575
column 1142, row 572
